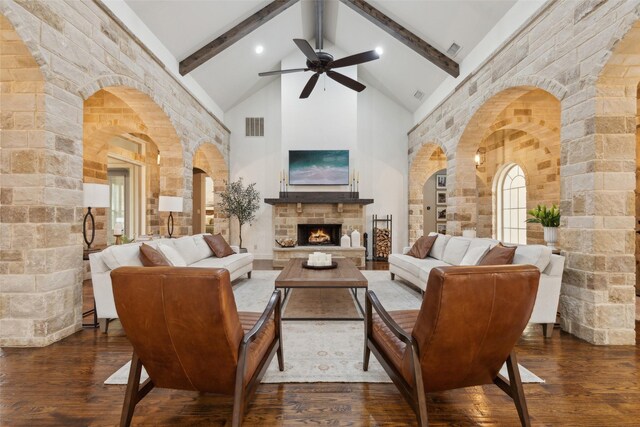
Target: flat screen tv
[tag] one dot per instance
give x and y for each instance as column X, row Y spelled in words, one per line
column 319, row 167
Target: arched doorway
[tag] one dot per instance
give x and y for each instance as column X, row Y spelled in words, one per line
column 526, row 132
column 210, row 161
column 429, row 159
column 135, row 151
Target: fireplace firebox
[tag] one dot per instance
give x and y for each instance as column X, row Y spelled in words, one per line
column 319, row 234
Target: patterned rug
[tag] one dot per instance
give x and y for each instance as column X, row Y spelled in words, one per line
column 320, row 350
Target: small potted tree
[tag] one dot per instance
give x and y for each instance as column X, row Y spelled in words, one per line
column 550, row 221
column 241, row 202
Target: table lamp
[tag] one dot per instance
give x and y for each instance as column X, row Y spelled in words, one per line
column 170, row 204
column 95, row 196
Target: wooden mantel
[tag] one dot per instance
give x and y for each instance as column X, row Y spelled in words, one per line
column 319, row 197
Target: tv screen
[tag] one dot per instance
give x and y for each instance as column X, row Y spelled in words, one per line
column 319, row 167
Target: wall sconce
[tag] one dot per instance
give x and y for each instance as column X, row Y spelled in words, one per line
column 158, row 158
column 480, row 156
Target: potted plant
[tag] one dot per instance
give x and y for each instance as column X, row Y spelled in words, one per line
column 550, row 221
column 241, row 202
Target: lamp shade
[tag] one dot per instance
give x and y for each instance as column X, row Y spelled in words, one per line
column 170, row 204
column 96, row 195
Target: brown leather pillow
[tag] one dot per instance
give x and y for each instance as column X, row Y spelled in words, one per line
column 499, row 255
column 422, row 246
column 151, row 257
column 218, row 245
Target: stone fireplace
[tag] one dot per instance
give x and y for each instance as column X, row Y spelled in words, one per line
column 319, row 234
column 298, row 215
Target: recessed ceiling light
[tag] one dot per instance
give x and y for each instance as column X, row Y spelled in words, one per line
column 259, row 49
column 379, row 50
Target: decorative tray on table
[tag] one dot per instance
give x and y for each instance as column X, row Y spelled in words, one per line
column 320, row 267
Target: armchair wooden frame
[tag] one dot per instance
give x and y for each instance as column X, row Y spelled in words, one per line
column 242, row 394
column 415, row 395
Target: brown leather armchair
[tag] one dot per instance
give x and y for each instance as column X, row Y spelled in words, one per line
column 465, row 330
column 188, row 334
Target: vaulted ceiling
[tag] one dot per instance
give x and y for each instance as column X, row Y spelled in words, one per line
column 231, row 76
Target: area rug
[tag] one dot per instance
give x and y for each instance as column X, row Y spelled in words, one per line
column 319, row 350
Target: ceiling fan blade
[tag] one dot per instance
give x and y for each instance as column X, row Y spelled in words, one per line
column 306, row 48
column 275, row 73
column 347, row 81
column 358, row 58
column 309, row 86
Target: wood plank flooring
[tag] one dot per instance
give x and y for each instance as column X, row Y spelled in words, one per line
column 61, row 385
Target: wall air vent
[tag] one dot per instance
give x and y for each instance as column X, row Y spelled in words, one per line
column 453, row 49
column 254, row 126
column 418, row 95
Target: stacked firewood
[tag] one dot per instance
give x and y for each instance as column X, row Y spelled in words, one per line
column 383, row 242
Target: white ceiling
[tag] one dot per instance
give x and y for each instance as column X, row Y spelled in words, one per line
column 184, row 26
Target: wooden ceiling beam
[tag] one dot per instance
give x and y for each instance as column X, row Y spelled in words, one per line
column 405, row 36
column 213, row 48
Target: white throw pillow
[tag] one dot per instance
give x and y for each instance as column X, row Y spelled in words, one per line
column 455, row 250
column 192, row 248
column 122, row 256
column 537, row 255
column 474, row 255
column 437, row 250
column 172, row 255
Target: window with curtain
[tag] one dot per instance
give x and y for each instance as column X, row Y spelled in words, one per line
column 512, row 206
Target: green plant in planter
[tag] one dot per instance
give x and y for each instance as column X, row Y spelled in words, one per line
column 241, row 202
column 546, row 217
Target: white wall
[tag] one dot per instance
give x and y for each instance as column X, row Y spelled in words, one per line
column 370, row 125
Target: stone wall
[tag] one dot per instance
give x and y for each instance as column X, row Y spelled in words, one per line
column 563, row 51
column 56, row 55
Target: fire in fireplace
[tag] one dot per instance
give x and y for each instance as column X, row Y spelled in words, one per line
column 319, row 234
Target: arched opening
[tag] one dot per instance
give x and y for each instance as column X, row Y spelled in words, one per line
column 136, row 152
column 429, row 160
column 208, row 182
column 511, row 205
column 518, row 126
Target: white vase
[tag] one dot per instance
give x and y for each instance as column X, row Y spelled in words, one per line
column 551, row 236
column 355, row 239
column 345, row 241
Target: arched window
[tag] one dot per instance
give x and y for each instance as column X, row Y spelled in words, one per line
column 511, row 211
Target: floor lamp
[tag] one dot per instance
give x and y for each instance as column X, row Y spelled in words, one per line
column 170, row 204
column 95, row 196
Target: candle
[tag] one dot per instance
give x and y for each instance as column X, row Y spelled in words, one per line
column 117, row 229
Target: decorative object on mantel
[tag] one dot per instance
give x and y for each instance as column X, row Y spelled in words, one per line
column 95, row 196
column 284, row 183
column 550, row 221
column 241, row 202
column 354, row 185
column 355, row 239
column 381, row 237
column 286, row 243
column 170, row 204
column 345, row 241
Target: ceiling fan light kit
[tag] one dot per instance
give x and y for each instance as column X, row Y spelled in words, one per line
column 322, row 62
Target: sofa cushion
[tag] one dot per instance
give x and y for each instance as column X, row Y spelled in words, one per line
column 172, row 255
column 437, row 250
column 426, row 265
column 455, row 250
column 122, row 256
column 422, row 246
column 192, row 248
column 537, row 255
column 232, row 262
column 151, row 257
column 499, row 255
column 474, row 255
column 406, row 262
column 218, row 245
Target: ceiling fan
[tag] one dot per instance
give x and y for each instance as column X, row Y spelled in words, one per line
column 323, row 62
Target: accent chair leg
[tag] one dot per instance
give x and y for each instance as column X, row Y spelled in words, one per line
column 367, row 356
column 249, row 275
column 393, row 276
column 547, row 329
column 419, row 396
column 131, row 395
column 517, row 392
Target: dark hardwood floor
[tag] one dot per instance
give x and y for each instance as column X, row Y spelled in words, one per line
column 62, row 385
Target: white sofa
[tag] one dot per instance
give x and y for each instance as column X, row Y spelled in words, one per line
column 193, row 249
column 448, row 250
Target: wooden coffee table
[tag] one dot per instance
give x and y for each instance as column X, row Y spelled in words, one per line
column 345, row 276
